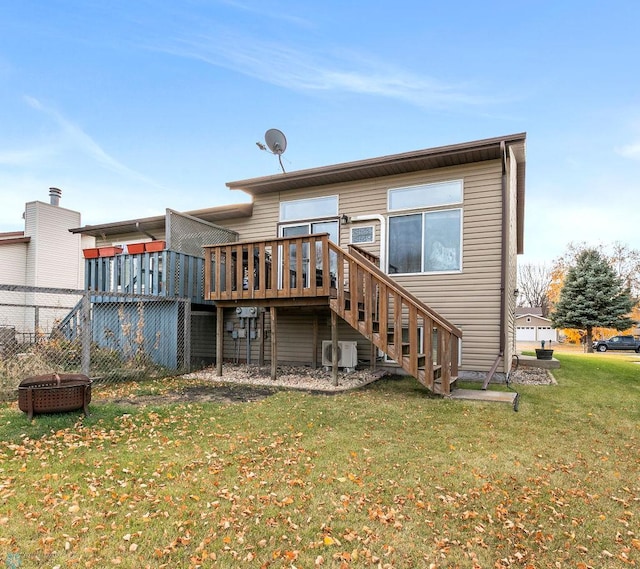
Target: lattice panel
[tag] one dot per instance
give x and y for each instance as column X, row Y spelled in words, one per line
column 187, row 234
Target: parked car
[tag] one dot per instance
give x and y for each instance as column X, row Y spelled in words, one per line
column 618, row 343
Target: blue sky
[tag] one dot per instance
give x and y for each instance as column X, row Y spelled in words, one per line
column 134, row 106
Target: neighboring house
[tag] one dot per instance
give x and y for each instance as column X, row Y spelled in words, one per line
column 44, row 255
column 396, row 246
column 531, row 326
column 161, row 256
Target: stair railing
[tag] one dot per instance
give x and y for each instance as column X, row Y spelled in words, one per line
column 398, row 323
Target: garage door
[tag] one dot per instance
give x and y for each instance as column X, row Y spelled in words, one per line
column 526, row 334
column 547, row 333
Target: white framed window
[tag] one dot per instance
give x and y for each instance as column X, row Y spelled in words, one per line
column 308, row 228
column 426, row 242
column 362, row 234
column 309, row 208
column 426, row 195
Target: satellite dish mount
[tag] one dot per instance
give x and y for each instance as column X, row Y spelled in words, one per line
column 276, row 143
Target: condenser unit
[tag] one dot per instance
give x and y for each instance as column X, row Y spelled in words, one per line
column 347, row 354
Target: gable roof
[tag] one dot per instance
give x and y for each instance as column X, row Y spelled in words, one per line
column 529, row 310
column 536, row 316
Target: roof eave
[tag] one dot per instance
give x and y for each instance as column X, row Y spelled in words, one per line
column 158, row 222
column 463, row 153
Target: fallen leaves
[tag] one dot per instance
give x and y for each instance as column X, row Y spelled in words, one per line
column 194, row 486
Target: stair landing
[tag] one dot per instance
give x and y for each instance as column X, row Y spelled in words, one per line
column 483, row 395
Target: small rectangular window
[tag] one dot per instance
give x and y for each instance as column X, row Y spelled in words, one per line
column 426, row 195
column 311, row 208
column 362, row 234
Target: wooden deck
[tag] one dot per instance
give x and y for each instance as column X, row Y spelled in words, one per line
column 311, row 270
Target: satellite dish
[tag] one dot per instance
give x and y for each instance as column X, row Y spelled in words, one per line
column 276, row 142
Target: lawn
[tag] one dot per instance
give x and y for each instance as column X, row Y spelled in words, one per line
column 382, row 477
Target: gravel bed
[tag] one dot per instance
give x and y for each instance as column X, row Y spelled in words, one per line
column 293, row 377
column 300, row 377
column 532, row 376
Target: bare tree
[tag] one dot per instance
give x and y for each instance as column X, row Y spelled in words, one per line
column 534, row 280
column 621, row 258
column 626, row 263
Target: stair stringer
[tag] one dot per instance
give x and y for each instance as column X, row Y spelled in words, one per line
column 379, row 309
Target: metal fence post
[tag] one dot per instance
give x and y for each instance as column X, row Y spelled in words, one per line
column 187, row 335
column 85, row 332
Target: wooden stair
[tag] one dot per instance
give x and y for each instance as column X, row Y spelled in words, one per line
column 311, row 270
column 395, row 321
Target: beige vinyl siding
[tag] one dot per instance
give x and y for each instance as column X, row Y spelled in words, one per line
column 295, row 334
column 469, row 299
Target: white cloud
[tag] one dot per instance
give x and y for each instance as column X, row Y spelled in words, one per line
column 80, row 140
column 292, row 68
column 630, row 151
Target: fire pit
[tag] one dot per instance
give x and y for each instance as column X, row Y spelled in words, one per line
column 54, row 393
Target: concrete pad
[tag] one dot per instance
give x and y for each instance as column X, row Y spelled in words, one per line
column 482, row 395
column 532, row 361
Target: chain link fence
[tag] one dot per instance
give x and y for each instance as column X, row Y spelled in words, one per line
column 109, row 337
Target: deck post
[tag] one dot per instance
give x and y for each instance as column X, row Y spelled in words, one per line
column 274, row 349
column 314, row 355
column 187, row 335
column 219, row 339
column 334, row 347
column 261, row 351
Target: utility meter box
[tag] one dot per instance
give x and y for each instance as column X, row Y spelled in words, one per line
column 247, row 311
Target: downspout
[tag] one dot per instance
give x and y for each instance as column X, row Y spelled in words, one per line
column 503, row 266
column 383, row 235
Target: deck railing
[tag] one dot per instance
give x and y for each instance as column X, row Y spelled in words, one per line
column 288, row 267
column 165, row 273
column 418, row 338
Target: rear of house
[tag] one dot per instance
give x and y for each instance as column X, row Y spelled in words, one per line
column 446, row 224
column 438, row 230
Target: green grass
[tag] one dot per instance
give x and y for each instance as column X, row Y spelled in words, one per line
column 382, row 477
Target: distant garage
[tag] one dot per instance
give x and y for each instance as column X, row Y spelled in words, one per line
column 534, row 328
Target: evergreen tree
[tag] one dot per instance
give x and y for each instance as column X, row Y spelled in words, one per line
column 592, row 295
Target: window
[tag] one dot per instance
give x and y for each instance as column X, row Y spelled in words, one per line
column 426, row 195
column 308, row 228
column 312, row 208
column 425, row 242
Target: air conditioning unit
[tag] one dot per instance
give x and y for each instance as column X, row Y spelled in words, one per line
column 347, row 354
